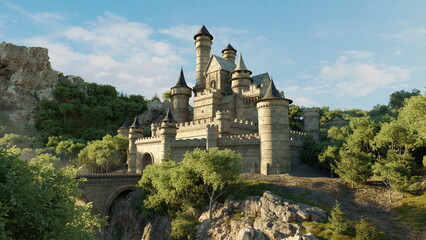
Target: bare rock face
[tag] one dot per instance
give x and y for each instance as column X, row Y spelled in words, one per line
column 258, row 218
column 26, row 78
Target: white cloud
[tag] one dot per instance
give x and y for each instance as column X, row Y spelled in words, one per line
column 39, row 17
column 409, row 35
column 183, row 32
column 306, row 102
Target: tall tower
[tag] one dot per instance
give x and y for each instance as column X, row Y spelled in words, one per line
column 168, row 131
column 135, row 132
column 180, row 97
column 311, row 122
column 274, row 132
column 229, row 53
column 241, row 79
column 203, row 44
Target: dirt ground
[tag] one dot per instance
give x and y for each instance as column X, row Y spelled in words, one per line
column 370, row 201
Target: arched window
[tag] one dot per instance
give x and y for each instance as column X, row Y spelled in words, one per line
column 213, row 84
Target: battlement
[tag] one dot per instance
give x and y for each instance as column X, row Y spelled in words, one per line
column 195, row 123
column 148, row 139
column 239, row 141
column 244, row 136
column 193, row 142
column 297, row 136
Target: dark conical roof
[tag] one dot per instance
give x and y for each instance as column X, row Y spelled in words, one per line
column 136, row 123
column 229, row 47
column 127, row 123
column 169, row 116
column 203, row 31
column 272, row 93
column 181, row 81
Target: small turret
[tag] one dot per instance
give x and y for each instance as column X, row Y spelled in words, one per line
column 180, row 97
column 203, row 44
column 135, row 132
column 124, row 129
column 168, row 131
column 229, row 53
column 311, row 122
column 241, row 79
column 274, row 132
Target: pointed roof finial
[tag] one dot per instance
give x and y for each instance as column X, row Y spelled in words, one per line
column 241, row 66
column 181, row 81
column 136, row 123
column 203, row 31
column 169, row 116
column 229, row 47
column 126, row 123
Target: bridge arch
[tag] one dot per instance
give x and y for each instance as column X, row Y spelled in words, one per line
column 113, row 196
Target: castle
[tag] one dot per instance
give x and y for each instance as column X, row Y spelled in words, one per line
column 232, row 109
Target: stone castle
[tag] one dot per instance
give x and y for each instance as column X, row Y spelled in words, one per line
column 232, row 109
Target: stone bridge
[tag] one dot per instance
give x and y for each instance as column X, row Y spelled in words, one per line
column 102, row 189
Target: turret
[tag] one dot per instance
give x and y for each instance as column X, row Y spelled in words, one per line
column 203, row 44
column 229, row 53
column 135, row 132
column 224, row 123
column 274, row 132
column 168, row 131
column 241, row 79
column 180, row 97
column 311, row 122
column 124, row 129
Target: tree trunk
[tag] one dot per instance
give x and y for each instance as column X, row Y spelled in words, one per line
column 390, row 194
column 210, row 208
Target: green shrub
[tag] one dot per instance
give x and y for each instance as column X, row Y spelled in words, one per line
column 337, row 220
column 366, row 231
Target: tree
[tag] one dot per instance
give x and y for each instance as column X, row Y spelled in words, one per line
column 69, row 148
column 216, row 169
column 167, row 96
column 104, row 153
column 395, row 171
column 353, row 167
column 396, row 99
column 39, row 202
column 337, row 219
column 294, row 117
column 365, row 231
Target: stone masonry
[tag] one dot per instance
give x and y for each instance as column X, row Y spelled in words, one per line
column 232, row 109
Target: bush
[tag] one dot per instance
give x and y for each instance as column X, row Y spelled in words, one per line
column 337, row 219
column 183, row 226
column 366, row 231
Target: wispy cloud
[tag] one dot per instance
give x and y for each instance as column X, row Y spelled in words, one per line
column 409, row 35
column 39, row 17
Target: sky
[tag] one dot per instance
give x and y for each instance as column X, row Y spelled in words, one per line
column 341, row 54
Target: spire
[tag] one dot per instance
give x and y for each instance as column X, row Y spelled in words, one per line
column 169, row 116
column 136, row 123
column 181, row 81
column 272, row 93
column 126, row 123
column 203, row 31
column 229, row 47
column 241, row 66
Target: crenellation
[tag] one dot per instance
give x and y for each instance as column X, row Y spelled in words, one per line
column 232, row 109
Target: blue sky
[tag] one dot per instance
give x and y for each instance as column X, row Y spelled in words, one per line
column 342, row 54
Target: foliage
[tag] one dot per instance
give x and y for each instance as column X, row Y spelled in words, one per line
column 167, row 96
column 183, row 226
column 396, row 99
column 311, row 151
column 366, row 231
column 337, row 219
column 21, row 141
column 101, row 155
column 216, row 169
column 354, row 166
column 39, row 202
column 294, row 117
column 87, row 113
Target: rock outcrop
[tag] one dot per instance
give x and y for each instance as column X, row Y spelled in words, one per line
column 26, row 78
column 257, row 218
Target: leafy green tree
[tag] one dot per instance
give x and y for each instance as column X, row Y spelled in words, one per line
column 381, row 113
column 216, row 169
column 354, row 167
column 69, row 148
column 167, row 96
column 105, row 153
column 294, row 115
column 413, row 115
column 39, row 202
column 396, row 99
column 395, row 171
column 183, row 226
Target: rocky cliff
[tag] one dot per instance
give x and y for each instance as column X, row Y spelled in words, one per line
column 26, row 78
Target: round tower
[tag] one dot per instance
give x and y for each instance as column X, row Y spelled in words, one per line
column 168, row 131
column 180, row 97
column 311, row 122
column 229, row 53
column 241, row 79
column 124, row 129
column 203, row 44
column 274, row 132
column 135, row 132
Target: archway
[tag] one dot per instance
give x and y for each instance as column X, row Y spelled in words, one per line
column 147, row 159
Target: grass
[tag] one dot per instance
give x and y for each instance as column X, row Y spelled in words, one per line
column 324, row 231
column 244, row 188
column 412, row 213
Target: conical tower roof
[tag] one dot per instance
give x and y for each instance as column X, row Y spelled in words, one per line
column 241, row 66
column 127, row 123
column 169, row 116
column 273, row 93
column 203, row 31
column 229, row 47
column 181, row 81
column 136, row 123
